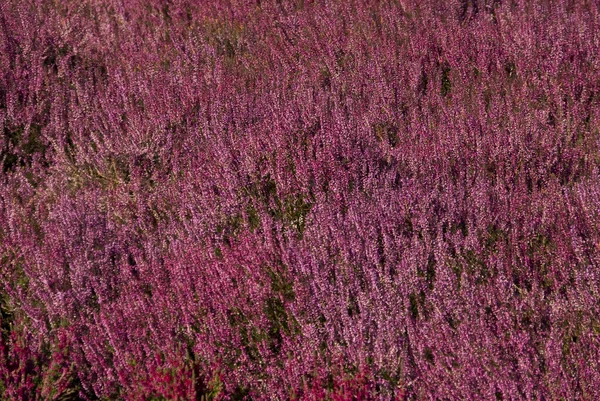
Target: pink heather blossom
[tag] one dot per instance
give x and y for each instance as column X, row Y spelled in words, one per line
column 299, row 200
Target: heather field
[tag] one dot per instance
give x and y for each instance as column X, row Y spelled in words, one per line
column 299, row 200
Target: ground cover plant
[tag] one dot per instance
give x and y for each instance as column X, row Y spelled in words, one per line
column 299, row 200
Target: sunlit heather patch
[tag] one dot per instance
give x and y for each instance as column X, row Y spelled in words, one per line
column 273, row 200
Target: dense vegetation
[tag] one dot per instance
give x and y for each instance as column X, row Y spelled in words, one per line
column 299, row 200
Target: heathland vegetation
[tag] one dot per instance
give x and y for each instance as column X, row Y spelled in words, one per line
column 299, row 200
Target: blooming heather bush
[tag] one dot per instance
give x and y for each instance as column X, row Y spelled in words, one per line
column 299, row 200
column 31, row 372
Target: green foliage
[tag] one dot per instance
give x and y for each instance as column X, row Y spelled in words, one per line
column 229, row 228
column 21, row 147
column 430, row 271
column 296, row 208
column 413, row 306
column 281, row 282
column 386, row 132
column 249, row 334
column 495, row 235
column 292, row 210
column 428, row 355
column 227, row 38
column 511, row 71
column 457, row 269
column 6, row 317
column 252, row 217
column 446, row 84
column 111, row 173
column 477, row 267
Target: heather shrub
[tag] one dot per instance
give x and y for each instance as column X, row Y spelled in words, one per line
column 34, row 368
column 275, row 200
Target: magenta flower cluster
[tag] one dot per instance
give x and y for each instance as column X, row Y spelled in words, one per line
column 299, row 200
